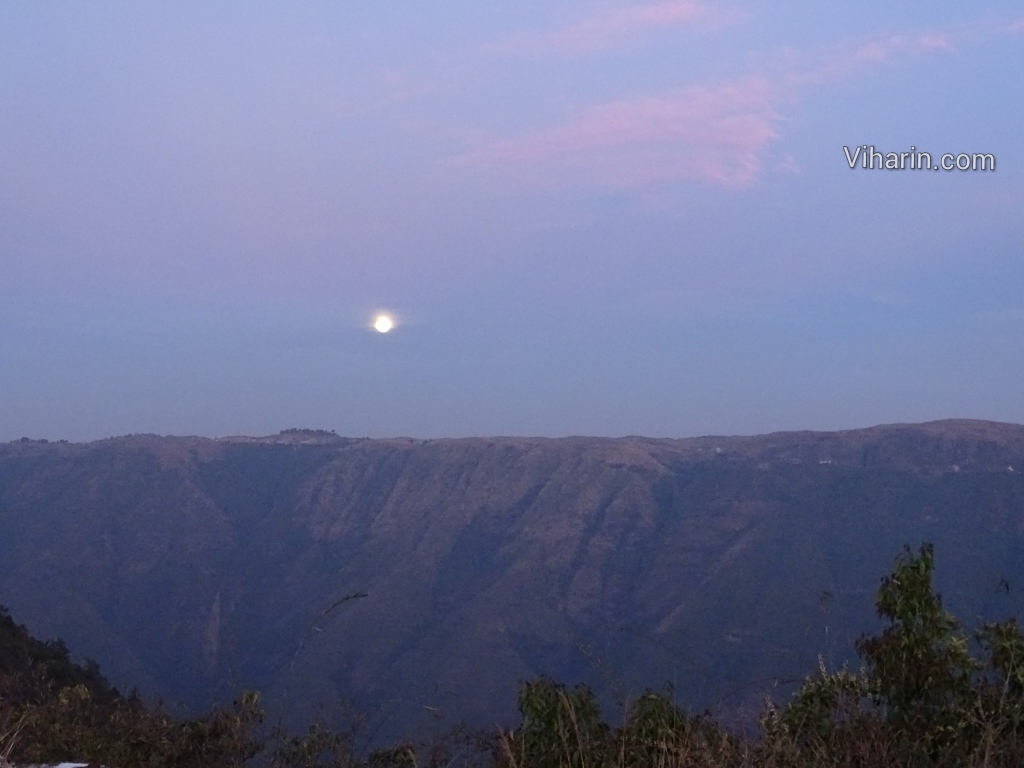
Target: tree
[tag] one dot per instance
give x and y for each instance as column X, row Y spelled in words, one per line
column 920, row 668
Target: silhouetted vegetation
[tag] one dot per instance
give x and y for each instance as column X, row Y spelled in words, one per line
column 928, row 694
column 922, row 698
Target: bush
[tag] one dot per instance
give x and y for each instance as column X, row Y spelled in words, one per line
column 922, row 698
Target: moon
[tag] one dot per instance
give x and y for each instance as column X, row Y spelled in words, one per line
column 383, row 323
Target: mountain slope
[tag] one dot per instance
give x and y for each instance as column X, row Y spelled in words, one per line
column 194, row 567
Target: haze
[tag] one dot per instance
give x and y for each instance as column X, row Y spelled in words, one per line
column 597, row 218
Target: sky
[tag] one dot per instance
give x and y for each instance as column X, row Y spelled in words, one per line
column 585, row 218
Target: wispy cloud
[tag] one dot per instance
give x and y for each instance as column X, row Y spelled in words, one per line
column 846, row 60
column 614, row 27
column 713, row 134
column 841, row 61
column 710, row 133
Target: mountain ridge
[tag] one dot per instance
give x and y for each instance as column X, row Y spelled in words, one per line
column 193, row 567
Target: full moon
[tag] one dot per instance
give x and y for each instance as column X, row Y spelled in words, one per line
column 383, row 323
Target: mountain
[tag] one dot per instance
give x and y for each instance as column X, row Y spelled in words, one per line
column 193, row 568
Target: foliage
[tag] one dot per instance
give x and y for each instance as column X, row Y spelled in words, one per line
column 927, row 695
column 560, row 727
column 922, row 697
column 920, row 667
column 564, row 729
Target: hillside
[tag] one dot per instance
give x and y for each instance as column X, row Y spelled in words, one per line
column 193, row 567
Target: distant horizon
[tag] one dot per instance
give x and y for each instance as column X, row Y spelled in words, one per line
column 327, row 432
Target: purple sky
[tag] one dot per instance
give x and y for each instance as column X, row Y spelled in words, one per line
column 587, row 218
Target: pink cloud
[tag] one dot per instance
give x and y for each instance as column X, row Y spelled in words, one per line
column 901, row 45
column 613, row 27
column 713, row 134
column 817, row 68
column 934, row 42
